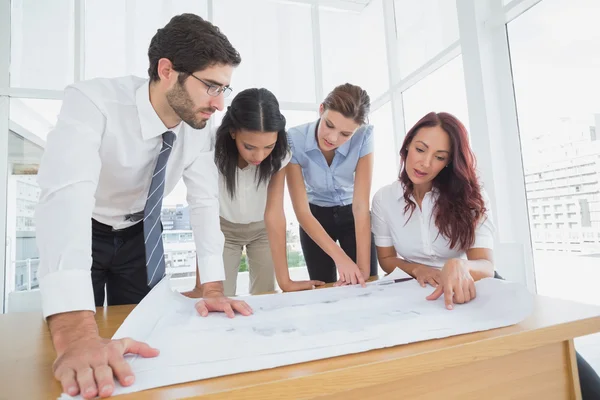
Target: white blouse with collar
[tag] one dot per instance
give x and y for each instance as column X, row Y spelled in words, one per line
column 417, row 239
column 250, row 200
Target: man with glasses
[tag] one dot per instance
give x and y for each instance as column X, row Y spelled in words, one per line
column 120, row 145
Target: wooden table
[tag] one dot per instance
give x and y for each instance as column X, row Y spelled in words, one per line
column 532, row 360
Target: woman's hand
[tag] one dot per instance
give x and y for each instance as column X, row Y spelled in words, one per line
column 457, row 284
column 349, row 273
column 427, row 275
column 294, row 286
column 217, row 302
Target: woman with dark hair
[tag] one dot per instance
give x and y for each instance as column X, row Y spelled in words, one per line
column 437, row 218
column 251, row 150
column 329, row 179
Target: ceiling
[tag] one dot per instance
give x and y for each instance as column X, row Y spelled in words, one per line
column 350, row 5
column 364, row 2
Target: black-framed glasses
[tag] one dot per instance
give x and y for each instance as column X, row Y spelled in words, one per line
column 214, row 90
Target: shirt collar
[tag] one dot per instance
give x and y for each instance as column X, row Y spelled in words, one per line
column 312, row 144
column 399, row 190
column 151, row 124
column 311, row 139
column 434, row 192
column 343, row 149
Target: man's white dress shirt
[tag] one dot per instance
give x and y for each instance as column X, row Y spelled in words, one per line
column 98, row 163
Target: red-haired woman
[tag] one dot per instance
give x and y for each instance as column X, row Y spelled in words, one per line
column 438, row 219
column 436, row 216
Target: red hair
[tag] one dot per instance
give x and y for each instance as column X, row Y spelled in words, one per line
column 460, row 204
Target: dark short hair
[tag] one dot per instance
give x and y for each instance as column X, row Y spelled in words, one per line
column 253, row 110
column 349, row 100
column 192, row 44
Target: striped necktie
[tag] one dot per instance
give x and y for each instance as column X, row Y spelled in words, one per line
column 155, row 253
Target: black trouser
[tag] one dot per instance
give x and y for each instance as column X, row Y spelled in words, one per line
column 119, row 263
column 589, row 381
column 338, row 222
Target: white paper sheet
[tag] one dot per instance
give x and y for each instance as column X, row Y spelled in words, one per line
column 297, row 327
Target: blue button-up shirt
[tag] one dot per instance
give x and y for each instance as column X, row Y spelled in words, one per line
column 328, row 186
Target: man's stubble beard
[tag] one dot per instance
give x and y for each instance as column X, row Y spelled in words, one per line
column 182, row 104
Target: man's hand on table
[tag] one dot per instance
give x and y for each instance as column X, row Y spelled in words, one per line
column 85, row 362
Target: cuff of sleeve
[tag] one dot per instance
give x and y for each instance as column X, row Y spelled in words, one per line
column 383, row 241
column 66, row 291
column 211, row 269
column 483, row 243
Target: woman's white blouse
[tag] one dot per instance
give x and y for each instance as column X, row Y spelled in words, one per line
column 417, row 239
column 250, row 201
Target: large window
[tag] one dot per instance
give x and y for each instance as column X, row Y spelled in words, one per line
column 274, row 39
column 294, row 250
column 443, row 90
column 385, row 170
column 30, row 121
column 42, row 44
column 34, row 118
column 556, row 84
column 353, row 48
column 283, row 48
column 424, row 28
column 118, row 33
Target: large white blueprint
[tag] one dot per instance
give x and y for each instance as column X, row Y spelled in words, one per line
column 297, row 327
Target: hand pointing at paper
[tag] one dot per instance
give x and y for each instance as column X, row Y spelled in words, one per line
column 458, row 277
column 457, row 284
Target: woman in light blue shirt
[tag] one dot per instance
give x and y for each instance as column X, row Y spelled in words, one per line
column 329, row 179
